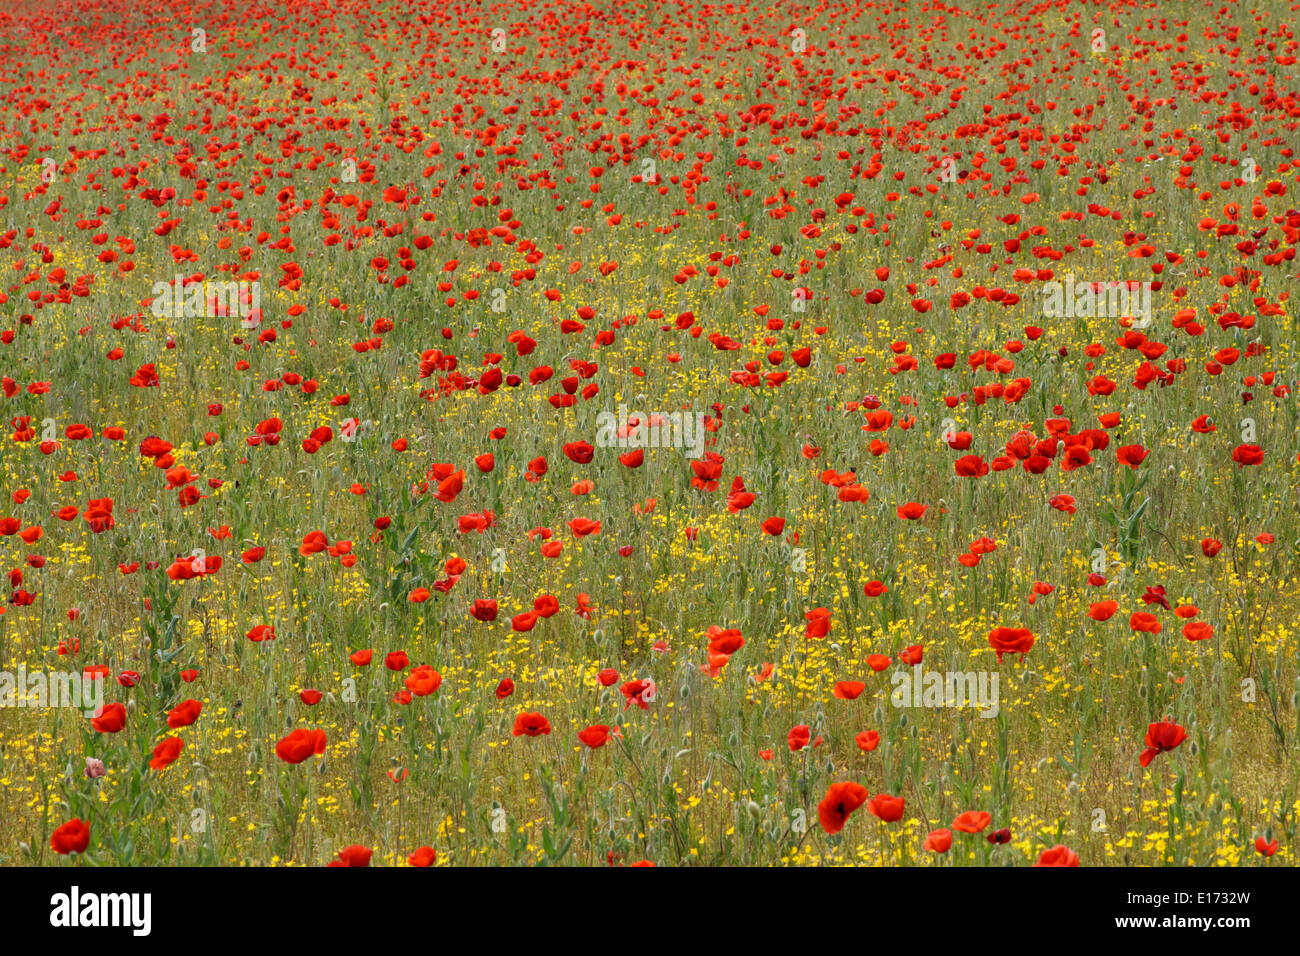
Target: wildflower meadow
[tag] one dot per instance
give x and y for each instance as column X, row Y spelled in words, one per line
column 665, row 433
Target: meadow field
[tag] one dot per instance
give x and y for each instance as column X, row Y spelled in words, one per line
column 653, row 433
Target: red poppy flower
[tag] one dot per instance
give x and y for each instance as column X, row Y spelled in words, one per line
column 1058, row 856
column 1247, row 455
column 1264, row 847
column 819, row 623
column 354, row 855
column 938, row 841
column 184, row 714
column 1156, row 595
column 484, row 609
column 594, row 736
column 1161, row 737
column 1011, row 640
column 109, row 719
column 1103, row 610
column 531, row 725
column 424, row 856
column 888, row 809
column 841, row 800
column 301, row 744
column 423, row 681
column 166, row 752
column 1131, row 455
column 972, row 821
column 1144, row 622
column 724, row 642
column 868, row 740
column 639, row 692
column 71, row 837
column 879, row 662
